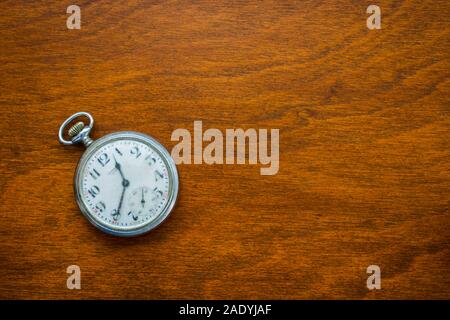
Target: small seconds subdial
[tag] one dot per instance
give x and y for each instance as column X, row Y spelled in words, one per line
column 143, row 201
column 125, row 184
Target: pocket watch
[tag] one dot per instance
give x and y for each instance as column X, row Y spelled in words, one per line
column 126, row 183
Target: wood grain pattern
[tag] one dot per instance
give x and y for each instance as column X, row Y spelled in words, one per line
column 364, row 147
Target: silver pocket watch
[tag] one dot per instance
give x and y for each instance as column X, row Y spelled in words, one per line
column 126, row 183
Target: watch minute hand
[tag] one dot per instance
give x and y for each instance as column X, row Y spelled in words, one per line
column 119, row 208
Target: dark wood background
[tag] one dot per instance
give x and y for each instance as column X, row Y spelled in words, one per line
column 364, row 152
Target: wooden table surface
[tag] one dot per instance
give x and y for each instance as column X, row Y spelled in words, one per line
column 364, row 174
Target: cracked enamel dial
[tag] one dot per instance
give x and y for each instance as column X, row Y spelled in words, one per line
column 126, row 183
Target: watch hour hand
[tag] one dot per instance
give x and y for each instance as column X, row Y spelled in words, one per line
column 118, row 167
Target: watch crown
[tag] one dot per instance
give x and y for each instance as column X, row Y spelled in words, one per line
column 76, row 129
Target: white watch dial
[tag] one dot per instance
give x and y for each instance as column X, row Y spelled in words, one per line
column 125, row 184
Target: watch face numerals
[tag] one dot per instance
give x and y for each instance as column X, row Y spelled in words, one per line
column 157, row 194
column 103, row 159
column 94, row 174
column 118, row 151
column 135, row 151
column 115, row 215
column 101, row 206
column 135, row 217
column 94, row 191
column 151, row 160
column 125, row 185
column 158, row 175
